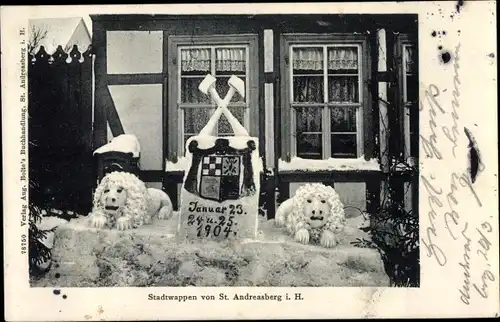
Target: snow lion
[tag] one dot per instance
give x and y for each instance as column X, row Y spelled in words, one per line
column 315, row 214
column 122, row 201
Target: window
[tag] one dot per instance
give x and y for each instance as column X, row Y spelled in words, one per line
column 325, row 97
column 410, row 98
column 195, row 57
column 197, row 107
column 407, row 50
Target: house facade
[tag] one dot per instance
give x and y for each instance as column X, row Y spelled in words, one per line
column 332, row 98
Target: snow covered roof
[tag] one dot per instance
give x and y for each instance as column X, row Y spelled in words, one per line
column 61, row 31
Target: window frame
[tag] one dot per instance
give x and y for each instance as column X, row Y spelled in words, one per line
column 288, row 113
column 182, row 106
column 402, row 42
column 176, row 107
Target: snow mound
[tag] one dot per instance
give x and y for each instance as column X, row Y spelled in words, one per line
column 152, row 256
column 126, row 143
column 48, row 223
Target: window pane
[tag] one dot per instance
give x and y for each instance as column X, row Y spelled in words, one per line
column 230, row 61
column 190, row 92
column 309, row 119
column 343, row 119
column 409, row 56
column 309, row 146
column 343, row 145
column 309, row 143
column 343, row 89
column 307, row 60
column 411, row 88
column 224, row 127
column 308, row 89
column 196, row 118
column 343, row 60
column 222, row 87
column 413, row 110
column 196, row 61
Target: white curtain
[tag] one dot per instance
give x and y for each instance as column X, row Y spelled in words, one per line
column 198, row 62
column 230, row 59
column 338, row 58
column 226, row 59
column 308, row 58
column 343, row 58
column 196, row 59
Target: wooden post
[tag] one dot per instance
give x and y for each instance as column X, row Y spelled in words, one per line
column 268, row 77
column 384, row 126
column 284, row 191
column 261, row 99
column 276, row 110
column 172, row 191
column 382, row 102
column 168, row 184
column 100, row 72
column 86, row 93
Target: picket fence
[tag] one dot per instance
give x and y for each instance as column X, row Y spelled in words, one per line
column 61, row 164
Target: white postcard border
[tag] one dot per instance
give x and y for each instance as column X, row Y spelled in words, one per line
column 472, row 31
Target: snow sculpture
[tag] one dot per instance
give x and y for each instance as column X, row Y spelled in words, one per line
column 314, row 215
column 220, row 191
column 122, row 201
column 125, row 143
column 121, row 154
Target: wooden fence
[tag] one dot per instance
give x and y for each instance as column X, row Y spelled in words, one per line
column 60, row 129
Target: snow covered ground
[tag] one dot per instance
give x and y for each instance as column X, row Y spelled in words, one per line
column 152, row 256
column 48, row 225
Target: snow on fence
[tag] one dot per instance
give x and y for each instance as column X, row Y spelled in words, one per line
column 60, row 129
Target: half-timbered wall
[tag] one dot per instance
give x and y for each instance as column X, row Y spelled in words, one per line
column 138, row 74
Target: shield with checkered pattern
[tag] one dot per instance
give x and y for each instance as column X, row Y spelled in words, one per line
column 220, row 177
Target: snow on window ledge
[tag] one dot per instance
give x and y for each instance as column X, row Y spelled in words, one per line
column 307, row 165
column 182, row 164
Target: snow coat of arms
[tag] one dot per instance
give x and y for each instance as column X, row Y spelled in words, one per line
column 220, row 192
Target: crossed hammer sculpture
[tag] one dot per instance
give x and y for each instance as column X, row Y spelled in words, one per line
column 207, row 86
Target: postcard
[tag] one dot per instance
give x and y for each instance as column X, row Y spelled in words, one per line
column 250, row 161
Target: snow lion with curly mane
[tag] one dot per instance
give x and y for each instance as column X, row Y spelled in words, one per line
column 315, row 214
column 123, row 201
